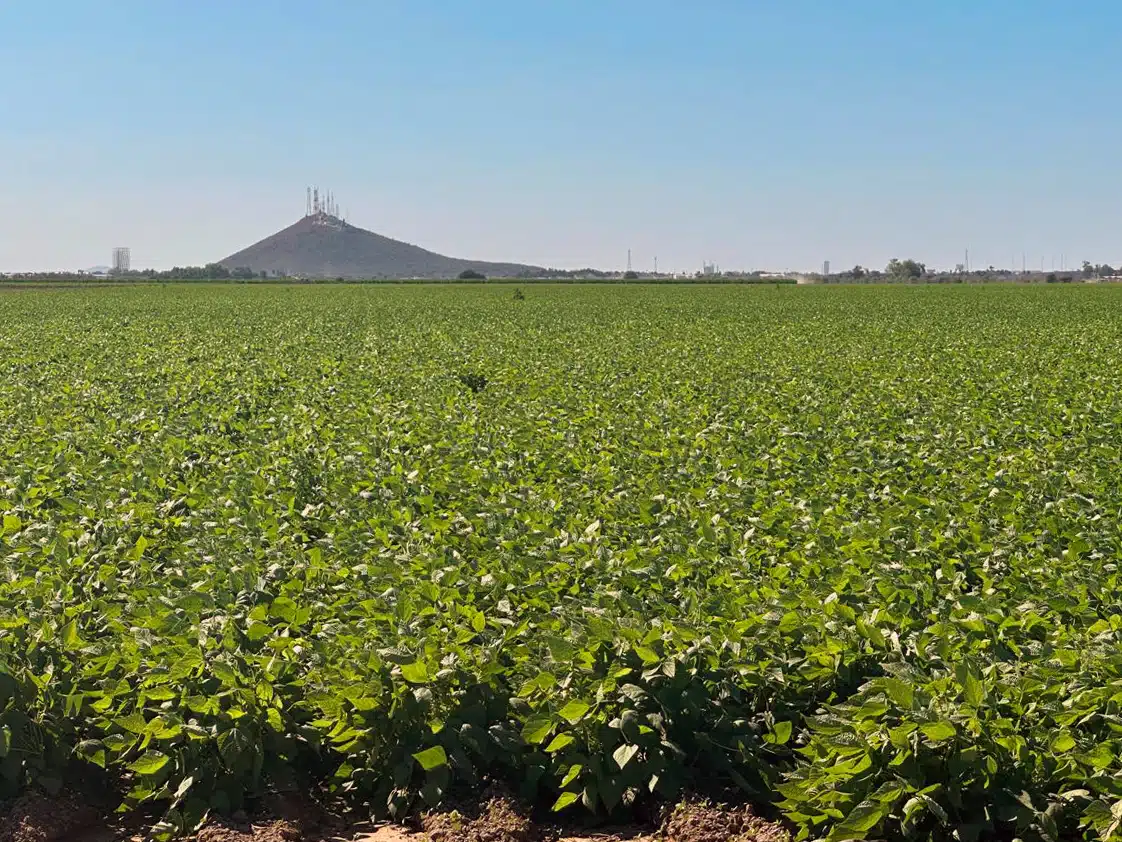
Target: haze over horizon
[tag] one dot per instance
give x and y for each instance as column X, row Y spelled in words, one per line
column 748, row 134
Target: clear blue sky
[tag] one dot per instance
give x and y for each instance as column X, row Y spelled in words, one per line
column 751, row 133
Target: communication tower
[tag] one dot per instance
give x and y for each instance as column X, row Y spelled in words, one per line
column 320, row 203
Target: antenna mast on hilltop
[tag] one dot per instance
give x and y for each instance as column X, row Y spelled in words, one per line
column 321, row 203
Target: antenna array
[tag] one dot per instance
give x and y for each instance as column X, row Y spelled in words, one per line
column 321, row 203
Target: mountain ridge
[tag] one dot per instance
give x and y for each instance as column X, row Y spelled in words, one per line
column 324, row 246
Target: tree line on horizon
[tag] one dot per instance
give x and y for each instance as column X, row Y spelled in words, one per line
column 896, row 271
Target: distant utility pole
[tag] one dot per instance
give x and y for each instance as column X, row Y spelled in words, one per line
column 656, row 264
column 629, row 260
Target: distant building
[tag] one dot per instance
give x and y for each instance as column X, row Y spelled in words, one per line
column 122, row 260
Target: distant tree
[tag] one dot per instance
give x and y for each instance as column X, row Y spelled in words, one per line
column 1101, row 270
column 630, row 275
column 1051, row 279
column 857, row 272
column 471, row 275
column 264, row 275
column 905, row 270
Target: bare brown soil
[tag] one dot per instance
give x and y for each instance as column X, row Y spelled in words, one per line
column 496, row 817
column 40, row 818
column 274, row 831
column 499, row 819
column 700, row 821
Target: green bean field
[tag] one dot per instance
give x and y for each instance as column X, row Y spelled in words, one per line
column 850, row 552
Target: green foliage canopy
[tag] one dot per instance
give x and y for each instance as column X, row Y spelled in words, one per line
column 851, row 550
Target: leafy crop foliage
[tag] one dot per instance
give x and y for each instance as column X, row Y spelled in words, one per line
column 854, row 551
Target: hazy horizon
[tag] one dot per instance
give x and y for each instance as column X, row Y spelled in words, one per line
column 732, row 132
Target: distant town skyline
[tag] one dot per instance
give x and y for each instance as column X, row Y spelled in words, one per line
column 738, row 133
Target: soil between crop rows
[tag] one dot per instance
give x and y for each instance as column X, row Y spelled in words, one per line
column 495, row 818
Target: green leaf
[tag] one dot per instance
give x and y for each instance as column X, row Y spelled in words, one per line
column 564, row 800
column 574, row 711
column 150, row 762
column 900, row 692
column 624, row 753
column 478, row 621
column 861, row 820
column 12, row 524
column 283, row 609
column 70, row 637
column 559, row 742
column 184, row 786
column 536, row 730
column 972, row 688
column 92, row 751
column 415, row 673
column 938, row 732
column 134, row 722
column 572, row 774
column 431, row 758
column 224, row 673
column 1063, row 742
column 781, row 733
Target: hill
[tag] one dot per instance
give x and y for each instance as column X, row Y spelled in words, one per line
column 324, row 246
